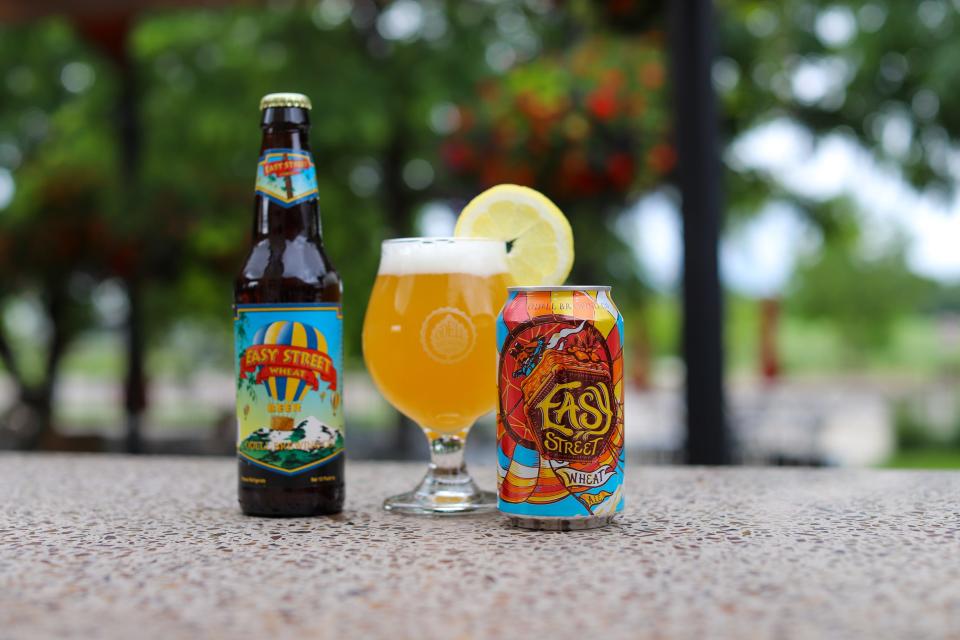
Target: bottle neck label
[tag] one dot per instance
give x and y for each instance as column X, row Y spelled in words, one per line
column 287, row 176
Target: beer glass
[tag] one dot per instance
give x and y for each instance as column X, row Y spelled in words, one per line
column 429, row 344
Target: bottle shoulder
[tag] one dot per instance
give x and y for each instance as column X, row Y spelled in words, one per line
column 281, row 270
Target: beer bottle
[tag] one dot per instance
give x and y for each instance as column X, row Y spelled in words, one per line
column 288, row 332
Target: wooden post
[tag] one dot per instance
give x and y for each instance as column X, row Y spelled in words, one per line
column 769, row 353
column 111, row 34
column 692, row 34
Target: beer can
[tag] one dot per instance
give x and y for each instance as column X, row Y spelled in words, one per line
column 560, row 408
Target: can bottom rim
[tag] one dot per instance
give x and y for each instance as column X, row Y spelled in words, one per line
column 562, row 524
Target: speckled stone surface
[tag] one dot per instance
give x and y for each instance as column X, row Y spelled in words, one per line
column 117, row 547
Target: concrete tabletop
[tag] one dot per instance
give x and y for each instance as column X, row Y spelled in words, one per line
column 121, row 547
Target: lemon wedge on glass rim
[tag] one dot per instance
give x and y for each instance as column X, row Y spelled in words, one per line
column 538, row 236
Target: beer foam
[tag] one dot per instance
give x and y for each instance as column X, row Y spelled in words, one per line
column 443, row 255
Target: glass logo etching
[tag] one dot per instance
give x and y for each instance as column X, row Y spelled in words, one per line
column 447, row 335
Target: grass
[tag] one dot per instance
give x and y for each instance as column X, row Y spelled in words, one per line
column 925, row 459
column 805, row 346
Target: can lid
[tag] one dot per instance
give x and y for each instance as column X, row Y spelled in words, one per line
column 285, row 100
column 569, row 287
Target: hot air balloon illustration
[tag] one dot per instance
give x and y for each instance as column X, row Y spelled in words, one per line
column 293, row 334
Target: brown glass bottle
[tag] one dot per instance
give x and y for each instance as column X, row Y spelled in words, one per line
column 288, row 298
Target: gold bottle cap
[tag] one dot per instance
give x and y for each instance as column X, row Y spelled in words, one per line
column 285, row 100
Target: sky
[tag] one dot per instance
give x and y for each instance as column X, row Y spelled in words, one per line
column 758, row 257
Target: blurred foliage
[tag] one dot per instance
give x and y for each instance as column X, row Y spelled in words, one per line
column 922, row 442
column 373, row 117
column 912, row 432
column 425, row 101
column 588, row 125
column 878, row 72
column 863, row 296
column 371, row 120
column 167, row 217
column 875, row 73
column 946, row 299
column 935, row 458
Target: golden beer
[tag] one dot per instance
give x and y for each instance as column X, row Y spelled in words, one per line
column 429, row 344
column 428, row 340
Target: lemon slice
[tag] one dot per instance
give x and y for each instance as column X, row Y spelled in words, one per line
column 538, row 236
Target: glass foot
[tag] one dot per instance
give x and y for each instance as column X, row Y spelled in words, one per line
column 443, row 492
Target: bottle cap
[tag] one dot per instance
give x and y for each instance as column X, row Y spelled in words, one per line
column 285, row 100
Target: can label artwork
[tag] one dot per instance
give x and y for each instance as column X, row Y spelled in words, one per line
column 289, row 379
column 560, row 418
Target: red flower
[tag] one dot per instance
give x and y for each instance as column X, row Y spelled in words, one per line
column 467, row 119
column 458, row 155
column 505, row 134
column 602, row 103
column 652, row 75
column 573, row 166
column 638, row 104
column 662, row 158
column 492, row 172
column 521, row 174
column 620, row 170
column 489, row 91
column 620, row 7
column 123, row 258
column 497, row 172
column 589, row 183
column 613, row 79
column 536, row 108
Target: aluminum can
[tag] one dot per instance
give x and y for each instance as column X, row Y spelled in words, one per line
column 560, row 408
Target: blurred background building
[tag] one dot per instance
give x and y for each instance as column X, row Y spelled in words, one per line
column 128, row 140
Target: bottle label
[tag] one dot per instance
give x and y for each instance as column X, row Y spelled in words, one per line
column 287, row 176
column 289, row 385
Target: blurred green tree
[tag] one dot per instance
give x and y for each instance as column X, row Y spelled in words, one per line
column 415, row 102
column 876, row 72
column 384, row 78
column 58, row 236
column 862, row 296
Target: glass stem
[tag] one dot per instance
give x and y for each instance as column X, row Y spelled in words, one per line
column 447, row 487
column 446, row 455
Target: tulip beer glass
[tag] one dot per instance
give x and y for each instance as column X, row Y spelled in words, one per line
column 428, row 341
